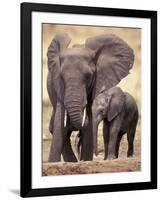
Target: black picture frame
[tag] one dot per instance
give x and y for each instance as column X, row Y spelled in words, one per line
column 26, row 100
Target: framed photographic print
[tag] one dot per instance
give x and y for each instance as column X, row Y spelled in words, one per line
column 88, row 99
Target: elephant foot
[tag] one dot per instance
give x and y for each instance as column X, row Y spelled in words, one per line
column 130, row 155
column 74, row 161
column 116, row 156
column 111, row 157
column 68, row 154
column 70, row 159
column 86, row 157
column 54, row 159
column 105, row 158
column 55, row 154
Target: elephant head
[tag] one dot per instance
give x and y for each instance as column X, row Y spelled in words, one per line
column 80, row 73
column 107, row 105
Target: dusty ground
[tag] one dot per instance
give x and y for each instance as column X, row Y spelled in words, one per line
column 98, row 165
column 118, row 165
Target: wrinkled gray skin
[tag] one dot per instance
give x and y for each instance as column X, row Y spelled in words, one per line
column 75, row 77
column 119, row 111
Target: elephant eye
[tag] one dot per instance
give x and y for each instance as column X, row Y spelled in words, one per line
column 61, row 60
column 102, row 111
column 88, row 75
column 90, row 62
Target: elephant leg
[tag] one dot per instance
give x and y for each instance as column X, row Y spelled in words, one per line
column 119, row 137
column 130, row 139
column 53, row 100
column 87, row 142
column 57, row 139
column 51, row 124
column 112, row 143
column 78, row 144
column 105, row 137
column 68, row 154
column 114, row 130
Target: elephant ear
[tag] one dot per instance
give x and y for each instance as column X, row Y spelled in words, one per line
column 59, row 43
column 113, row 59
column 116, row 103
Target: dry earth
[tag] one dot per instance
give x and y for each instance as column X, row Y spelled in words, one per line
column 98, row 165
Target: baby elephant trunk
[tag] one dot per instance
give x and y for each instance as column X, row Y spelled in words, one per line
column 95, row 134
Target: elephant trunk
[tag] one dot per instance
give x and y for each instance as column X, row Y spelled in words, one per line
column 95, row 134
column 74, row 106
column 75, row 115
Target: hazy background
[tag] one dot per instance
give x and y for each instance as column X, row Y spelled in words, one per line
column 131, row 83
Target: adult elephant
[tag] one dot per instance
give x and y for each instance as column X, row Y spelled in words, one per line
column 75, row 77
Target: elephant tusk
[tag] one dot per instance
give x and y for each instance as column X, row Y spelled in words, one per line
column 84, row 117
column 65, row 119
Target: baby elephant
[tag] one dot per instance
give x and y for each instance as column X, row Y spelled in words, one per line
column 119, row 113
